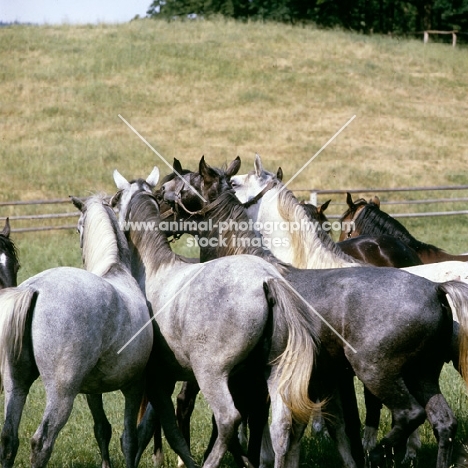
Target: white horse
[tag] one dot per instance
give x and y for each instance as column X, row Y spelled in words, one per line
column 68, row 326
column 271, row 204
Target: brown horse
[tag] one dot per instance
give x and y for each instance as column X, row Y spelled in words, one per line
column 382, row 250
column 367, row 218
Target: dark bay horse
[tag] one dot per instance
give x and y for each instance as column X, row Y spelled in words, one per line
column 363, row 300
column 215, row 320
column 382, row 250
column 368, row 219
column 69, row 326
column 9, row 264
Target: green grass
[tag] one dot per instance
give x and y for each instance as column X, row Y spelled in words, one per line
column 222, row 89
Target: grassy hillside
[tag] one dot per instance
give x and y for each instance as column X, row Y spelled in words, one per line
column 223, row 89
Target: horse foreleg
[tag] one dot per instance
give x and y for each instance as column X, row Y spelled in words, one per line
column 150, row 427
column 102, row 427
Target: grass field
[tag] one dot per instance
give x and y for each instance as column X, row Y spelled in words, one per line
column 223, row 89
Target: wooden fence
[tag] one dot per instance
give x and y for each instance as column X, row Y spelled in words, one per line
column 46, row 215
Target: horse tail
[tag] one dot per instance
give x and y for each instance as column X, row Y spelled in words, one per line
column 15, row 305
column 143, row 405
column 457, row 293
column 294, row 328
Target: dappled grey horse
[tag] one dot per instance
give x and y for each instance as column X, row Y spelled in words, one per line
column 381, row 315
column 214, row 320
column 70, row 327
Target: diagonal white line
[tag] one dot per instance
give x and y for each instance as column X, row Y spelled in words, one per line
column 160, row 310
column 323, row 319
column 160, row 156
column 312, row 158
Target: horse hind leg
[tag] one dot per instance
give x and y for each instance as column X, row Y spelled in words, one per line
column 407, row 415
column 15, row 399
column 444, row 425
column 56, row 414
column 185, row 406
column 226, row 415
column 102, row 427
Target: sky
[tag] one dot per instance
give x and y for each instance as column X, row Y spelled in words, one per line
column 71, row 11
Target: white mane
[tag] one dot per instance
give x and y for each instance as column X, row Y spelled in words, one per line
column 100, row 244
column 310, row 249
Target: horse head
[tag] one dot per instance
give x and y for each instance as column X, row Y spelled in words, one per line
column 349, row 217
column 127, row 189
column 193, row 191
column 249, row 186
column 9, row 264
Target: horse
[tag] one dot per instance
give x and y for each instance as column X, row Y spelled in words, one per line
column 380, row 250
column 9, row 264
column 239, row 315
column 225, row 213
column 282, row 206
column 364, row 217
column 69, row 325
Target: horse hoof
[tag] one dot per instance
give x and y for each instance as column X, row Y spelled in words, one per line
column 180, row 463
column 158, row 459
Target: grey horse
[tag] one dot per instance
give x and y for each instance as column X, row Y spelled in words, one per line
column 68, row 326
column 215, row 320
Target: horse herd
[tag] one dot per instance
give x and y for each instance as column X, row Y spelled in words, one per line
column 270, row 321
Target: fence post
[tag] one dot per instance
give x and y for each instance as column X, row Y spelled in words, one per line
column 313, row 198
column 426, row 37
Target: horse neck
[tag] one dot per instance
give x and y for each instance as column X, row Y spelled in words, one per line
column 374, row 222
column 149, row 247
column 104, row 246
column 227, row 212
column 305, row 247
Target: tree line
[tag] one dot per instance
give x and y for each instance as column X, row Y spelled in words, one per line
column 367, row 16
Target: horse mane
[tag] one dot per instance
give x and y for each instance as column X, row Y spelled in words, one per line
column 152, row 244
column 312, row 248
column 227, row 208
column 104, row 244
column 375, row 222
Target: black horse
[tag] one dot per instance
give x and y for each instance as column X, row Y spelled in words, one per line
column 9, row 264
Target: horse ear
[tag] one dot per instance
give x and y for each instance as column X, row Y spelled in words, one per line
column 177, row 166
column 120, row 181
column 115, row 199
column 153, row 178
column 78, row 203
column 323, row 206
column 349, row 200
column 207, row 173
column 233, row 167
column 258, row 165
column 6, row 230
column 279, row 174
column 375, row 200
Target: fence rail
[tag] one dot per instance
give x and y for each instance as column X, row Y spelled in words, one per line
column 45, row 221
